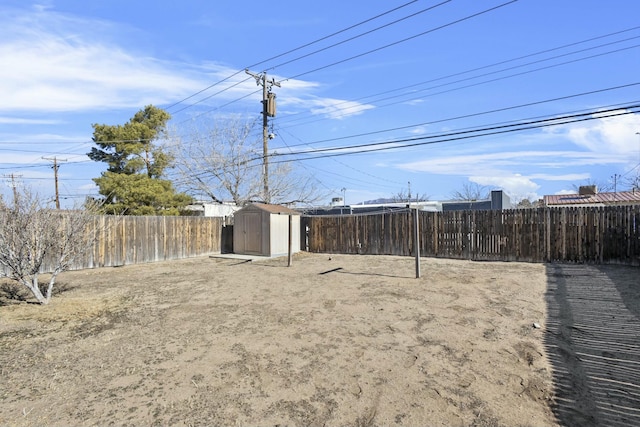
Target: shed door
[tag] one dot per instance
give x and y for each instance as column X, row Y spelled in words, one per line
column 252, row 232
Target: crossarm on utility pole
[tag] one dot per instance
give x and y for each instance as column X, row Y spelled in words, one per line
column 55, row 167
column 268, row 110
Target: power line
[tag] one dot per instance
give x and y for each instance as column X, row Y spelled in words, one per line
column 35, row 166
column 343, row 164
column 217, row 93
column 360, row 35
column 220, row 106
column 383, row 47
column 285, row 53
column 460, row 135
column 466, row 116
column 454, row 136
column 479, row 68
column 201, row 91
column 402, row 40
column 498, row 63
column 340, row 175
column 474, row 77
column 376, row 49
column 333, row 34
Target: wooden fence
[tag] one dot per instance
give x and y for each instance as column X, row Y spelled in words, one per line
column 139, row 239
column 588, row 234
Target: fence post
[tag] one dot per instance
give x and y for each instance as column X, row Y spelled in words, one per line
column 547, row 234
column 290, row 261
column 416, row 241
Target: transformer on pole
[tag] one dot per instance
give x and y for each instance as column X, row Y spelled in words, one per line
column 268, row 110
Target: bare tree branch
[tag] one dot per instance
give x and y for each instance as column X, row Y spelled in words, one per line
column 471, row 191
column 35, row 239
column 221, row 161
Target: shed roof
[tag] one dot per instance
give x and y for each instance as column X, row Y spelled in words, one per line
column 618, row 198
column 275, row 209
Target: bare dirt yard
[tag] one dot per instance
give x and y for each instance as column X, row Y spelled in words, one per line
column 332, row 340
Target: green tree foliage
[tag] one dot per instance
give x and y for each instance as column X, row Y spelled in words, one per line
column 139, row 194
column 132, row 183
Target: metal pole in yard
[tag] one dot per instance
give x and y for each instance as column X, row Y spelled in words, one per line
column 290, row 261
column 416, row 241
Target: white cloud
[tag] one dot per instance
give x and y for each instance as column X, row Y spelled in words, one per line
column 514, row 172
column 10, row 156
column 518, row 187
column 615, row 135
column 23, row 121
column 337, row 108
column 88, row 187
column 566, row 192
column 414, row 102
column 569, row 177
column 418, row 130
column 511, row 161
column 54, row 62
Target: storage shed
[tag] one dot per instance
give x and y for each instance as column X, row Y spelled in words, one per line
column 263, row 229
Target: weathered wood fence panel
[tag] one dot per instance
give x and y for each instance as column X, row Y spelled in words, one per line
column 586, row 234
column 140, row 239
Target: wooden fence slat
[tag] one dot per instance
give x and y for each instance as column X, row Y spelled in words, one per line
column 570, row 234
column 129, row 239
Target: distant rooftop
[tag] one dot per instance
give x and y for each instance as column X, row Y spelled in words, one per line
column 599, row 199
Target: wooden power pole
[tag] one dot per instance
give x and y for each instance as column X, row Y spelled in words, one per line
column 14, row 186
column 55, row 168
column 268, row 110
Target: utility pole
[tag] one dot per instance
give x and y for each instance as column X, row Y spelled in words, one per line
column 638, row 133
column 14, row 186
column 268, row 110
column 55, row 168
column 615, row 182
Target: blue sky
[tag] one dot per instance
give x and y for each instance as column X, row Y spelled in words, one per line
column 429, row 69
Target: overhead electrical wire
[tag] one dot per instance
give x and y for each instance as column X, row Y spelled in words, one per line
column 343, row 176
column 459, row 135
column 454, row 136
column 466, row 116
column 43, row 165
column 401, row 127
column 523, row 72
column 333, row 34
column 344, row 61
column 475, row 77
column 380, row 48
column 217, row 93
column 360, row 55
column 480, row 68
column 358, row 35
column 487, row 66
column 285, row 119
column 286, row 53
column 397, row 42
column 219, row 107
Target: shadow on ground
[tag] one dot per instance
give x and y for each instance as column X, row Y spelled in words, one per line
column 593, row 341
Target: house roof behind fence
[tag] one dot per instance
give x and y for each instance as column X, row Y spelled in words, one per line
column 618, row 198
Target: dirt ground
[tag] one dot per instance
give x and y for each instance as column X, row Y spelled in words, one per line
column 332, row 340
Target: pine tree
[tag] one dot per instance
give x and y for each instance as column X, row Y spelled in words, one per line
column 132, row 183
